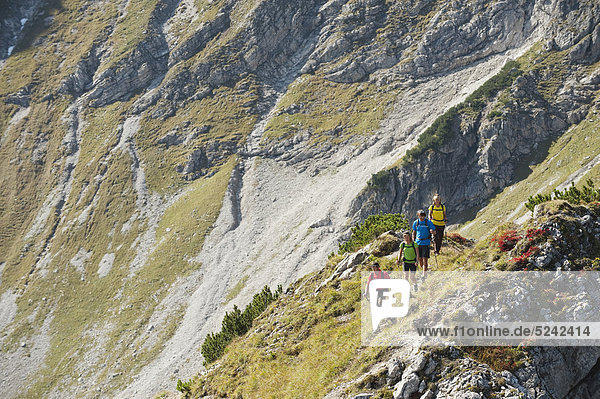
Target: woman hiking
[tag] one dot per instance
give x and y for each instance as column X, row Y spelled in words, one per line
column 376, row 273
column 437, row 214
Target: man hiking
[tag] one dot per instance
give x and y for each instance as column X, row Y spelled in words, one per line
column 437, row 214
column 376, row 273
column 409, row 255
column 422, row 232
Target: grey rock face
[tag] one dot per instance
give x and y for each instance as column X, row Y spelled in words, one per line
column 81, row 80
column 457, row 34
column 141, row 67
column 197, row 161
column 275, row 38
column 407, row 386
column 200, row 38
column 21, row 97
column 394, row 369
column 349, row 262
column 171, row 139
column 484, row 155
column 13, row 20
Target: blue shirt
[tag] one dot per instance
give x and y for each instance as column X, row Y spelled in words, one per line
column 422, row 229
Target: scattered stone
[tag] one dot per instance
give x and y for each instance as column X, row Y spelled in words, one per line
column 407, row 386
column 428, row 395
column 395, row 368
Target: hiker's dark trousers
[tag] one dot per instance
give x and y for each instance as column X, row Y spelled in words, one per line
column 438, row 234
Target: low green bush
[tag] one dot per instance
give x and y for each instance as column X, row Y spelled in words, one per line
column 588, row 193
column 236, row 323
column 371, row 228
column 380, row 180
column 184, row 387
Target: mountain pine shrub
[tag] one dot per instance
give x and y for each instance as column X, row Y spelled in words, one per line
column 237, row 323
column 380, row 180
column 371, row 228
column 588, row 193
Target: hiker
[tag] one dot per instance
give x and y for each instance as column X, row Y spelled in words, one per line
column 409, row 255
column 422, row 231
column 376, row 273
column 437, row 214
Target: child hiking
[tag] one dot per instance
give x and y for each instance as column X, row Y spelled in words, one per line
column 409, row 256
column 437, row 214
column 422, row 231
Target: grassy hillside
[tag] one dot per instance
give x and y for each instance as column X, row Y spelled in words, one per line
column 95, row 228
column 308, row 341
column 120, row 126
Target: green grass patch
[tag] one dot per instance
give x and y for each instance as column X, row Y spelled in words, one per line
column 185, row 224
column 445, row 126
column 328, row 111
column 24, row 188
column 225, row 115
column 236, row 289
column 131, row 29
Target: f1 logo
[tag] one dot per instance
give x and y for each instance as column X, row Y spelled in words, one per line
column 388, row 298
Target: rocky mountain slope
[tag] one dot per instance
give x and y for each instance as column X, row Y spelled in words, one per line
column 485, row 144
column 306, row 342
column 164, row 160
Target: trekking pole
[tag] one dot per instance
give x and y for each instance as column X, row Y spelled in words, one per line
column 435, row 254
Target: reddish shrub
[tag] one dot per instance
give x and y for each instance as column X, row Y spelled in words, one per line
column 536, row 233
column 521, row 261
column 507, row 240
column 457, row 238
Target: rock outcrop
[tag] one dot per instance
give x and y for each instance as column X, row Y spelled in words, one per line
column 482, row 155
column 14, row 18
